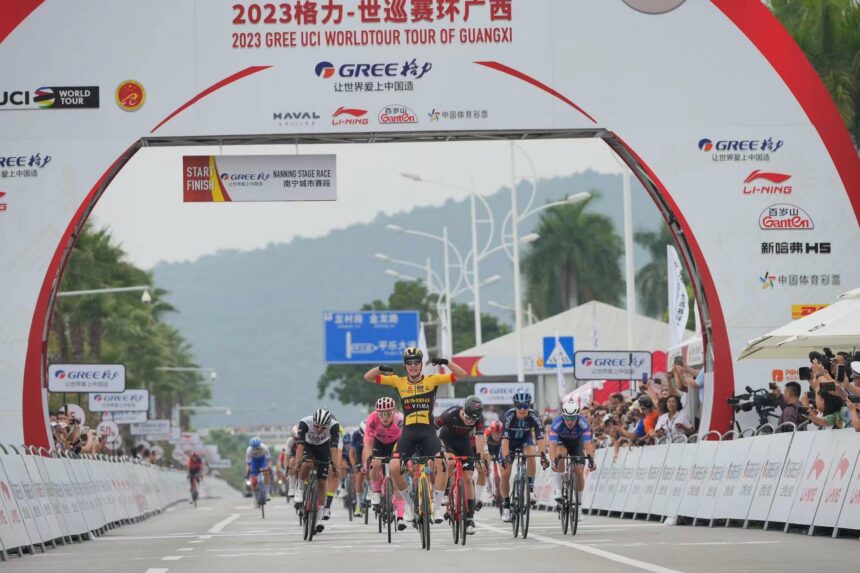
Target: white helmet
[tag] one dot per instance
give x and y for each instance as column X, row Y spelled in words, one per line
column 322, row 417
column 570, row 410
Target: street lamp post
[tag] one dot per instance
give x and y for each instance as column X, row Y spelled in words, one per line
column 145, row 297
column 518, row 303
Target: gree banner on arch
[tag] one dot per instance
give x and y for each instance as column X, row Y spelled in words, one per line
column 226, row 178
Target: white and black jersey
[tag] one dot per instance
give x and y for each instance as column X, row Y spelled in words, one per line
column 308, row 435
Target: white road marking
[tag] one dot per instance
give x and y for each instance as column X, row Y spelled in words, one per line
column 594, row 551
column 223, row 523
column 156, row 571
column 186, row 549
column 172, row 558
column 196, row 541
column 727, row 543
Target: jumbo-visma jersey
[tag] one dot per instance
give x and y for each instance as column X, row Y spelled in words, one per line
column 417, row 399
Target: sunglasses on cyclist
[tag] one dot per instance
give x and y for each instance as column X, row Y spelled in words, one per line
column 522, row 406
column 318, row 428
column 412, row 362
column 570, row 418
column 385, row 414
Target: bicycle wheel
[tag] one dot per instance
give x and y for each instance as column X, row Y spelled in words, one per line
column 427, row 513
column 387, row 513
column 452, row 513
column 461, row 510
column 574, row 497
column 564, row 506
column 526, row 509
column 350, row 503
column 311, row 508
column 417, row 509
column 515, row 506
column 365, row 502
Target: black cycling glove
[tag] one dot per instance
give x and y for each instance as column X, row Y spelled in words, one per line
column 386, row 369
column 439, row 362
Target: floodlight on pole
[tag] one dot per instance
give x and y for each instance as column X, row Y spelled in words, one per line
column 146, row 298
column 382, row 257
column 395, row 228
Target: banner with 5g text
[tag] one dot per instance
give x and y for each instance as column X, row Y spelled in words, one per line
column 237, row 178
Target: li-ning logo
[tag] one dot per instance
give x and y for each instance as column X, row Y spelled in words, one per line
column 355, row 116
column 776, row 180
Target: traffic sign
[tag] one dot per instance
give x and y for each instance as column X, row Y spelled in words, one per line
column 369, row 337
column 555, row 354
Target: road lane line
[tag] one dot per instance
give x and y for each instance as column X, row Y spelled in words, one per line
column 172, row 558
column 186, row 549
column 593, row 551
column 156, row 571
column 223, row 523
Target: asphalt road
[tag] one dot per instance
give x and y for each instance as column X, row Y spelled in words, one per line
column 226, row 534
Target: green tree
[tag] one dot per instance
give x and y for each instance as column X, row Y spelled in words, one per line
column 575, row 260
column 828, row 31
column 345, row 382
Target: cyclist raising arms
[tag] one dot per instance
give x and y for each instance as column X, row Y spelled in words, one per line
column 319, row 437
column 383, row 428
column 518, row 423
column 258, row 460
column 417, row 394
column 458, row 426
column 356, row 446
column 569, row 434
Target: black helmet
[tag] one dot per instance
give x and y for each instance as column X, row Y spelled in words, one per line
column 472, row 407
column 645, row 402
column 413, row 353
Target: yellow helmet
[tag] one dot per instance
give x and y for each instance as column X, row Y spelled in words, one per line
column 413, row 353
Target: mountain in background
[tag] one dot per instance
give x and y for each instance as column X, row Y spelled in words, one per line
column 256, row 316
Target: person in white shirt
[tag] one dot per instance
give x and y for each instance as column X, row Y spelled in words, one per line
column 674, row 422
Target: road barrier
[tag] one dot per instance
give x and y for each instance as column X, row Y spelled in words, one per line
column 804, row 478
column 51, row 498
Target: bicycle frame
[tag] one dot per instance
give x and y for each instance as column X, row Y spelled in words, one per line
column 457, row 501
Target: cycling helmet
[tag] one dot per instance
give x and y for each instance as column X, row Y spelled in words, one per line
column 523, row 398
column 473, row 408
column 570, row 411
column 496, row 427
column 255, row 442
column 322, row 417
column 413, row 353
column 362, row 426
column 385, row 404
column 294, row 432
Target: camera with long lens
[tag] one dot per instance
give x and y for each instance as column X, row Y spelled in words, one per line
column 763, row 401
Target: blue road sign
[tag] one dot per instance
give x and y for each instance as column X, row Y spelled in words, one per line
column 369, row 337
column 563, row 353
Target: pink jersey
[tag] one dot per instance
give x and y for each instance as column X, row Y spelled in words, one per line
column 375, row 430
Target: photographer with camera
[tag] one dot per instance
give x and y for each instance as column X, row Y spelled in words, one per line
column 789, row 401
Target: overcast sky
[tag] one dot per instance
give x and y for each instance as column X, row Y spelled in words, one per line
column 144, row 207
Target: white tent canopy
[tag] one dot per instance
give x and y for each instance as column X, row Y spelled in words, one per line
column 497, row 357
column 836, row 326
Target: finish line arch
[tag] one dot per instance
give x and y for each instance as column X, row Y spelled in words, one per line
column 707, row 101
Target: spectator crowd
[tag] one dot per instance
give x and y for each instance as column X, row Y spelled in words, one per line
column 71, row 435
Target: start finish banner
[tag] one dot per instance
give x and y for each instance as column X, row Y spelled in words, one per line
column 218, row 179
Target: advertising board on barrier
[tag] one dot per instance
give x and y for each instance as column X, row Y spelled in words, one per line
column 236, row 178
column 86, row 377
column 832, row 499
column 502, row 392
column 611, row 365
column 129, row 401
column 155, row 427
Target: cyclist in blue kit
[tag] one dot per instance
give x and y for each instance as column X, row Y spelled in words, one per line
column 521, row 427
column 569, row 434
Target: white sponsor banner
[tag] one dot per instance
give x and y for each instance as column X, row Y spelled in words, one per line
column 237, row 178
column 86, row 377
column 764, row 469
column 128, row 401
column 838, row 479
column 220, row 464
column 628, row 470
column 695, row 488
column 735, row 491
column 125, row 417
column 792, row 470
column 819, row 464
column 849, row 518
column 679, row 307
column 654, row 458
column 611, row 365
column 502, row 392
column 153, row 427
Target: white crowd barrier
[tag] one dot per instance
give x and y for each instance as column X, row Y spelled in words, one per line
column 809, row 479
column 50, row 498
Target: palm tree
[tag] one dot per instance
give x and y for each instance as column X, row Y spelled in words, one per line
column 575, row 260
column 828, row 31
column 651, row 279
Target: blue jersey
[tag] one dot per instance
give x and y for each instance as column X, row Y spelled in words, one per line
column 358, row 443
column 519, row 430
column 559, row 431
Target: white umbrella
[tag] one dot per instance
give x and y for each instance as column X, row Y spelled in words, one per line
column 836, row 326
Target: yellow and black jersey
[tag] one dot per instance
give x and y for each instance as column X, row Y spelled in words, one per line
column 418, row 398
